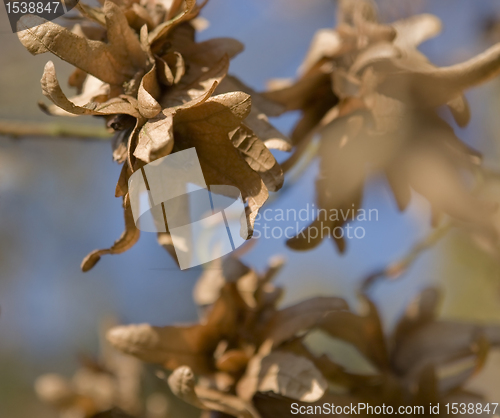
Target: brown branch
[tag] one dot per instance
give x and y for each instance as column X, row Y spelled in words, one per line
column 52, row 130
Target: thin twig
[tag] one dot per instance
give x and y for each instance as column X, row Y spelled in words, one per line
column 52, row 130
column 398, row 268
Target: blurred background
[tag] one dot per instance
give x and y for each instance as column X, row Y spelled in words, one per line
column 57, row 204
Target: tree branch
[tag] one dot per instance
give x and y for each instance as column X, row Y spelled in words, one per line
column 52, row 130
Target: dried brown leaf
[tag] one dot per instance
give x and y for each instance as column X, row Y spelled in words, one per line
column 52, row 90
column 182, row 93
column 122, row 244
column 161, row 30
column 149, row 91
column 206, row 127
column 204, row 54
column 258, row 157
column 285, row 374
column 94, row 57
column 156, row 138
column 122, row 38
column 257, row 120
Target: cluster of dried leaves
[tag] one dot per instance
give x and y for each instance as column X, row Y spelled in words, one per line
column 373, row 98
column 253, row 360
column 139, row 67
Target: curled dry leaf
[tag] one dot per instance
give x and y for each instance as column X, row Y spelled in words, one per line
column 52, row 90
column 126, row 240
column 285, row 374
column 94, row 91
column 149, row 91
column 162, row 30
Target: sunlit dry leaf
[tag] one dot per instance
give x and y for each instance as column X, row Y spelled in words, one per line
column 258, row 157
column 93, row 90
column 206, row 127
column 94, row 57
column 149, row 91
column 125, row 242
column 122, row 39
column 156, row 138
column 259, row 102
column 285, row 374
